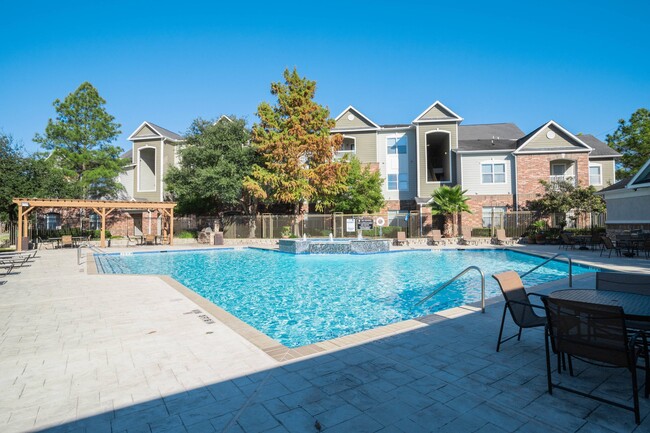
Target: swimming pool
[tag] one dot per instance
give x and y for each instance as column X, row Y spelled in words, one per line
column 303, row 299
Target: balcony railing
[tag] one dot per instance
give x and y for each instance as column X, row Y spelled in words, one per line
column 563, row 178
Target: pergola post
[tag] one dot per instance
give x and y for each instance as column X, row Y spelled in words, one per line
column 171, row 227
column 19, row 241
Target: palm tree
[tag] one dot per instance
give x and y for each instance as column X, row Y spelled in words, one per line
column 449, row 201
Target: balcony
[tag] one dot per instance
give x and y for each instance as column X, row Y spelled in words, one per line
column 563, row 178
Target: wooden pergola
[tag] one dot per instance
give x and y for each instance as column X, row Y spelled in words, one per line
column 101, row 207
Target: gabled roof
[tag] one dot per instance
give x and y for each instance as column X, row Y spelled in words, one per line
column 358, row 114
column 600, row 149
column 621, row 184
column 223, row 117
column 448, row 114
column 524, row 141
column 159, row 131
column 642, row 177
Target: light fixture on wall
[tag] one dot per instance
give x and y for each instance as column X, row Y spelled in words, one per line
column 25, row 204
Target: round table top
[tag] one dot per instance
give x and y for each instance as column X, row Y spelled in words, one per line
column 634, row 305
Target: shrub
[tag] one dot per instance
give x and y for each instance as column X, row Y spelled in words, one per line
column 481, row 232
column 186, row 234
column 97, row 234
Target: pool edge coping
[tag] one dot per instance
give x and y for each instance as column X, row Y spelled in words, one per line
column 281, row 353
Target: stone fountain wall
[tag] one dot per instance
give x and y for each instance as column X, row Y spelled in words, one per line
column 352, row 246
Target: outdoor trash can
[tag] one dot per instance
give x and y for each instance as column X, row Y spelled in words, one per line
column 218, row 238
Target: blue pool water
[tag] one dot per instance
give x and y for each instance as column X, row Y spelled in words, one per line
column 303, row 299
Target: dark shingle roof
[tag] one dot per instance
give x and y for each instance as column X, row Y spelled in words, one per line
column 492, row 136
column 487, row 144
column 489, row 131
column 600, row 148
column 397, row 125
column 166, row 132
column 618, row 185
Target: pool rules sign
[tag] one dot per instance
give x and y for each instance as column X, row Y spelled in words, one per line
column 364, row 224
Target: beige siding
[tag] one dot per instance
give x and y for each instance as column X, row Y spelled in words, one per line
column 366, row 146
column 127, row 179
column 412, row 164
column 436, row 112
column 356, row 122
column 609, row 171
column 427, row 188
column 146, row 132
column 168, row 160
column 148, row 195
column 471, row 166
column 541, row 141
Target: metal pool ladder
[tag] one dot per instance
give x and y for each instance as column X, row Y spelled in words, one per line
column 553, row 258
column 440, row 288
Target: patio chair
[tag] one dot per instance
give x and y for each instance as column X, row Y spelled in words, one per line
column 468, row 241
column 502, row 239
column 436, row 238
column 608, row 244
column 150, row 239
column 66, row 241
column 518, row 303
column 596, row 334
column 132, row 241
column 401, row 239
column 623, row 282
column 567, row 241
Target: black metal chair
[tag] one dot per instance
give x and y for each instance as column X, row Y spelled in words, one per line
column 608, row 244
column 521, row 309
column 596, row 334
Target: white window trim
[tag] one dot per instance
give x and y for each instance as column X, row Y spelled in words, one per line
column 493, row 163
column 397, row 136
column 155, row 170
column 348, row 152
column 451, row 168
column 600, row 170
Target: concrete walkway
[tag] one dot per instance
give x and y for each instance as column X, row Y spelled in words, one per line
column 107, row 353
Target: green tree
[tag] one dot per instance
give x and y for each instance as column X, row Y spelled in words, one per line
column 26, row 176
column 80, row 143
column 632, row 140
column 563, row 197
column 296, row 148
column 363, row 191
column 450, row 202
column 214, row 161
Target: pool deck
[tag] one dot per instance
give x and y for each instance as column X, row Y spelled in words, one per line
column 113, row 353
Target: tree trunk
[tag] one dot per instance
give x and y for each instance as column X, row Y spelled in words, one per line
column 448, row 228
column 252, row 221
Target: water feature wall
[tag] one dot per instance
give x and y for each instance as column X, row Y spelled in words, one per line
column 334, row 246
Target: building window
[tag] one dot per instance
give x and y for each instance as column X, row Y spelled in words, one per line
column 396, row 146
column 398, row 181
column 493, row 216
column 595, row 176
column 493, row 172
column 52, row 221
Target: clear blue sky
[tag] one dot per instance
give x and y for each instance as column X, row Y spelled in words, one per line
column 585, row 64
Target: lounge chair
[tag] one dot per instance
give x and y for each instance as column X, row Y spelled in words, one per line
column 623, row 282
column 596, row 334
column 567, row 241
column 518, row 303
column 401, row 239
column 436, row 238
column 501, row 238
column 132, row 241
column 468, row 241
column 608, row 244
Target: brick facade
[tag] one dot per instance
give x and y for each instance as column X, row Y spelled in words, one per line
column 533, row 168
column 476, row 203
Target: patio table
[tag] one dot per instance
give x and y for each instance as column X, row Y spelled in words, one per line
column 55, row 240
column 635, row 307
column 582, row 240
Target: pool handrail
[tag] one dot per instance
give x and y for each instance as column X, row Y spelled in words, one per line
column 551, row 259
column 440, row 288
